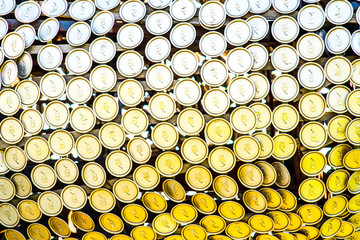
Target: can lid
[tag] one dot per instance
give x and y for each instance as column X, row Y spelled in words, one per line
column 15, row 158
column 183, row 34
column 246, row 148
column 311, row 214
column 260, row 27
column 353, row 206
column 50, row 203
column 218, row 131
column 37, row 231
column 351, row 160
column 106, row 107
column 112, row 135
column 79, row 90
column 204, row 203
column 103, row 77
column 130, row 63
column 162, row 106
column 213, row 224
column 26, row 31
column 169, row 164
column 312, row 106
column 50, row 57
column 352, row 102
column 10, row 216
column 311, row 190
column 285, row 29
column 263, row 113
column 347, row 229
column 56, row 114
column 239, row 60
column 146, row 177
column 266, row 144
column 111, row 223
column 102, row 200
column 310, row 46
column 285, row 146
column 190, row 121
column 283, row 177
column 74, row 197
column 94, row 235
column 93, row 175
column 139, row 150
column 250, row 175
column 266, row 237
column 296, row 222
column 9, row 73
column 355, row 76
column 59, row 227
column 241, row 90
column 330, row 227
column 194, row 150
column 88, row 147
column 261, row 223
column 212, row 44
column 187, row 92
column 3, row 168
column 135, row 121
column 43, row 176
column 13, row 43
column 10, row 102
column 29, row 210
column 352, row 129
column 268, row 171
column 285, row 88
column 102, row 49
column 212, row 15
column 82, row 119
column 61, row 142
column 82, row 10
column 260, row 7
column 335, row 206
column 24, row 64
column 231, row 211
column 284, row 7
column 236, row 9
column 337, row 182
column 184, row 62
column 129, row 36
column 289, row 200
column 165, row 136
column 125, row 190
column 130, row 92
column 281, row 220
column 254, row 201
column 78, row 61
column 285, row 117
column 66, row 170
column 23, row 186
column 337, row 16
column 285, row 58
column 189, row 231
column 311, row 75
column 164, row 224
column 83, row 221
column 313, row 135
column 174, row 190
column 134, row 214
column 354, row 219
column 313, row 163
column 184, row 213
column 273, row 198
column 215, row 102
column 32, row 121
column 102, row 23
column 262, row 85
column 225, row 187
column 222, row 160
column 154, row 202
column 335, row 157
column 311, row 17
column 336, row 98
column 338, row 70
column 132, row 11
column 143, row 233
column 198, row 177
column 80, row 32
column 158, row 48
column 310, row 232
column 237, row 32
column 337, row 128
column 214, row 72
column 183, row 10
column 28, row 91
column 48, row 29
column 233, row 230
column 159, row 77
column 352, row 183
column 156, row 29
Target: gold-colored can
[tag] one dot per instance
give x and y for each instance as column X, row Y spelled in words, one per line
column 146, row 177
column 102, row 200
column 336, row 155
column 9, row 102
column 254, row 201
column 154, row 202
column 285, row 236
column 11, row 234
column 11, row 130
column 337, row 181
column 79, row 90
column 28, row 91
column 285, row 118
column 125, row 190
column 352, row 130
column 184, row 213
column 225, row 187
column 347, row 230
column 164, row 224
column 264, row 115
column 268, row 172
column 285, row 146
column 59, row 227
column 32, row 121
column 266, row 143
column 330, row 227
column 238, row 230
column 135, row 121
column 165, row 136
column 281, row 220
column 37, row 149
column 250, row 175
column 190, row 121
column 106, row 107
column 94, row 235
column 231, row 211
column 354, row 219
column 310, row 232
column 111, row 223
column 311, row 190
column 313, row 135
column 189, row 231
column 23, row 186
column 43, row 176
column 93, row 175
column 162, row 106
column 336, row 98
column 173, row 190
column 213, row 224
column 353, row 181
column 74, row 197
column 353, row 205
column 139, row 150
column 337, row 128
column 352, row 102
column 247, row 148
column 289, row 201
column 112, row 135
column 130, row 92
column 283, row 177
column 311, row 214
column 9, row 215
column 82, row 119
column 50, row 203
column 273, row 198
column 351, row 160
column 56, row 114
column 312, row 106
column 134, row 214
column 222, row 160
column 15, row 158
column 194, row 150
column 247, row 117
column 218, row 131
column 88, row 147
column 169, row 164
column 143, row 233
column 198, row 177
column 335, row 206
column 37, row 231
column 261, row 223
column 266, row 236
column 295, row 222
column 313, row 163
column 338, row 69
column 66, row 170
column 29, row 211
column 204, row 203
column 83, row 221
column 61, row 142
column 118, row 163
column 215, row 102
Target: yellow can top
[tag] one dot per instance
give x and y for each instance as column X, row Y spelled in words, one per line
column 353, row 131
column 247, row 148
column 61, row 142
column 11, row 234
column 194, row 150
column 347, row 229
column 213, row 224
column 355, row 220
column 238, row 230
column 311, row 189
column 313, row 135
column 231, row 211
column 125, row 190
column 43, row 176
column 353, row 183
column 198, row 177
column 169, row 164
column 111, row 223
column 165, row 136
column 243, row 120
column 289, row 202
column 94, row 235
column 164, row 224
column 263, row 113
column 143, row 233
column 106, row 107
column 354, row 204
column 330, row 227
column 335, row 206
column 313, row 163
column 255, row 201
column 266, row 144
column 83, row 221
column 268, row 172
column 285, row 236
column 154, row 202
column 37, row 149
column 337, row 128
column 311, row 214
column 336, row 155
column 139, row 150
column 283, row 177
column 285, row 118
column 281, row 220
column 146, row 177
column 312, row 106
column 29, row 210
column 112, row 135
column 134, row 214
column 351, row 160
column 273, row 198
column 261, row 223
column 295, row 222
column 59, row 227
column 184, row 213
column 225, row 187
column 204, row 203
column 174, row 190
column 285, row 146
column 120, row 237
column 7, row 189
column 9, row 215
column 310, row 232
column 222, row 160
column 250, row 175
column 50, row 203
column 338, row 181
column 135, row 121
column 37, row 231
column 192, row 231
column 102, row 200
column 218, row 131
column 190, row 121
column 88, row 147
column 14, row 158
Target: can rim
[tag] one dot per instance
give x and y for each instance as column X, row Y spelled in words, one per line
column 311, row 6
column 243, row 181
column 319, row 67
column 100, row 210
column 53, row 46
column 348, row 105
column 189, row 206
column 27, row 180
column 98, row 142
column 28, row 230
column 277, row 195
column 71, row 162
column 38, row 92
column 43, row 24
column 296, row 115
column 311, row 206
column 166, row 192
column 101, row 169
column 77, row 187
column 300, row 52
column 268, row 165
column 176, row 92
column 273, row 32
column 52, row 219
column 203, row 75
column 121, row 199
column 72, row 116
column 214, row 216
column 74, row 16
column 76, row 24
column 41, row 139
column 320, row 170
column 42, row 210
column 231, row 219
column 122, row 132
column 192, row 54
column 226, row 123
column 243, row 159
column 178, row 121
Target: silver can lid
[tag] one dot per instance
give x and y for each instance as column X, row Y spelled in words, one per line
column 4, row 27
column 54, row 8
column 103, row 78
column 237, row 8
column 102, row 50
column 7, row 7
column 106, row 4
column 237, row 32
column 49, row 57
column 27, row 12
column 182, row 35
column 337, row 40
column 102, row 23
column 78, row 61
column 260, row 27
column 339, row 12
column 239, row 60
column 311, row 76
column 285, row 29
column 130, row 64
column 157, row 49
column 241, row 90
column 311, row 17
column 158, row 22
column 52, row 85
column 212, row 44
column 355, row 42
column 24, row 65
column 214, row 72
column 310, row 47
column 285, row 88
column 8, row 73
column 260, row 55
column 28, row 33
column 259, row 6
column 79, row 90
column 285, row 58
column 184, row 63
column 215, row 102
column 48, row 29
column 130, row 36
column 212, row 15
column 183, row 10
column 285, row 6
column 132, row 11
column 187, row 92
column 28, row 91
column 82, row 10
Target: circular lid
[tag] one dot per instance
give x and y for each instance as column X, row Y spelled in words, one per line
column 338, row 181
column 261, row 58
column 130, row 92
column 130, row 36
column 266, row 236
column 355, row 45
column 337, row 40
column 29, row 210
column 61, row 142
column 214, row 72
column 263, row 113
column 190, row 121
column 311, row 214
column 225, row 187
column 56, row 114
column 43, row 176
column 338, row 70
column 198, row 177
column 106, row 107
column 59, row 227
column 94, row 235
column 78, row 61
column 310, row 47
column 284, row 6
column 102, row 200
column 183, row 10
column 216, row 102
column 335, row 157
column 15, row 158
column 285, row 29
column 258, row 7
column 37, row 149
column 102, row 23
column 88, row 147
column 93, row 175
column 184, row 63
column 311, row 75
column 268, row 172
column 164, row 224
column 182, row 35
column 187, row 92
column 273, row 198
column 162, row 106
column 241, row 90
column 238, row 31
column 236, row 9
column 354, row 204
column 11, row 130
column 28, row 91
column 352, row 132
column 134, row 214
column 159, row 77
column 24, row 65
column 37, row 231
column 204, row 203
column 336, row 98
column 79, row 90
column 165, row 136
column 266, row 144
column 289, row 201
column 353, row 102
column 130, row 63
column 311, row 189
column 254, row 201
column 337, row 127
column 281, row 220
column 194, row 150
column 154, row 202
column 23, row 186
column 239, row 60
column 82, row 10
column 7, row 7
column 9, row 73
column 78, row 33
column 313, row 163
column 48, row 29
column 132, row 11
column 27, row 12
column 50, row 203
column 157, row 4
column 351, row 159
column 347, row 229
column 82, row 119
column 111, row 223
column 250, row 175
column 311, row 17
column 295, row 222
column 50, row 57
column 102, row 50
column 83, row 221
column 189, row 231
column 54, row 8
column 285, row 88
column 222, row 160
column 261, row 223
column 355, row 221
column 212, row 44
column 139, row 150
column 260, row 27
column 158, row 22
column 174, row 190
column 231, row 211
column 285, row 118
column 169, row 164
column 125, row 190
column 312, row 106
column 146, row 177
column 157, row 49
column 9, row 216
column 338, row 12
column 218, row 131
column 310, row 232
column 335, row 206
column 213, row 224
column 285, row 58
column 285, row 146
column 112, row 135
column 9, row 102
column 3, row 168
column 212, row 15
column 184, row 213
column 330, row 227
column 74, row 197
column 246, row 148
column 66, row 170
column 143, row 233
column 106, row 4
column 313, row 135
column 283, row 177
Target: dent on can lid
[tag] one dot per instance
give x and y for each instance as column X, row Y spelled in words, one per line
column 56, row 114
column 268, row 172
column 218, row 131
column 222, row 160
column 165, row 136
column 312, row 106
column 214, row 72
column 102, row 200
column 164, row 224
column 82, row 119
column 134, row 214
column 169, row 164
column 338, row 70
column 125, row 190
column 157, row 49
column 9, row 102
column 143, row 233
column 352, row 130
column 162, row 106
column 213, row 224
column 261, row 223
column 285, row 118
column 93, row 175
column 273, row 198
column 28, row 91
column 183, row 34
column 190, row 121
column 198, row 177
column 263, row 113
column 330, row 227
column 353, row 102
column 23, row 186
column 103, row 78
column 311, row 17
column 241, row 90
column 310, row 47
column 74, row 197
column 130, row 92
column 187, row 92
column 9, row 216
column 88, row 147
column 351, row 160
column 311, row 75
column 132, row 11
column 154, row 202
column 78, row 33
column 37, row 231
column 194, row 150
column 106, row 107
column 146, row 177
column 78, row 61
column 313, row 163
column 184, row 63
column 48, row 29
column 352, row 184
column 311, row 214
column 111, row 223
column 50, row 203
column 183, row 10
column 311, row 190
column 59, row 227
column 189, row 231
column 225, row 187
column 336, row 98
column 239, row 60
column 204, row 203
column 285, row 146
column 285, row 58
column 338, row 181
column 112, row 135
column 174, row 190
column 94, row 235
column 338, row 12
column 247, row 148
column 43, row 176
column 337, row 128
column 154, row 18
column 285, row 29
column 29, row 210
column 14, row 158
column 50, row 57
column 61, row 142
column 212, row 15
column 281, row 220
column 130, row 36
column 250, row 175
column 285, row 88
column 66, row 170
column 212, row 44
column 335, row 206
column 135, row 121
column 79, row 90
column 254, row 201
column 266, row 144
column 27, row 32
column 37, row 149
column 139, row 150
